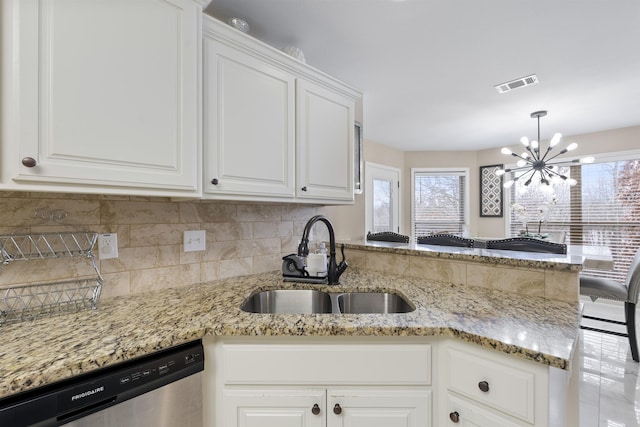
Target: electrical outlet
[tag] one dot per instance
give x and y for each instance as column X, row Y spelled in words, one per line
column 108, row 246
column 195, row 240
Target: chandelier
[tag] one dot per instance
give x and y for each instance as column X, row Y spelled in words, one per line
column 534, row 161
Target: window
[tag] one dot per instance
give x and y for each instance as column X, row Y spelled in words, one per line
column 603, row 208
column 439, row 201
column 382, row 205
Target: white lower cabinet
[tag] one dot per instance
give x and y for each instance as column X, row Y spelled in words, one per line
column 463, row 413
column 380, row 382
column 370, row 408
column 488, row 388
column 317, row 381
column 297, row 407
column 311, row 407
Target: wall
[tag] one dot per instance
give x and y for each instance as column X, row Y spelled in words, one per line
column 242, row 238
column 349, row 220
column 440, row 159
column 610, row 141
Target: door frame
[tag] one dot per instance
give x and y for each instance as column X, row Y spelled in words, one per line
column 370, row 170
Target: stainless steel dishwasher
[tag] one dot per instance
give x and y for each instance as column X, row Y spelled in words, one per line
column 163, row 389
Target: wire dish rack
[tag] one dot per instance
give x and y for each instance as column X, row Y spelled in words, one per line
column 27, row 302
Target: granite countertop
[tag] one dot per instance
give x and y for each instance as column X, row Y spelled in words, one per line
column 572, row 261
column 50, row 349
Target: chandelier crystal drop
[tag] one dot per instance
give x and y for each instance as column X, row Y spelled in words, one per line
column 535, row 161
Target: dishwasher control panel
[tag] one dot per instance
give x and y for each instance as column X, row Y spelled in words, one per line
column 74, row 398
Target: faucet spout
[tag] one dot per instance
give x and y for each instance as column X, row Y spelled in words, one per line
column 334, row 270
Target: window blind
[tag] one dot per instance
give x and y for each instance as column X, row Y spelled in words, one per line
column 439, row 202
column 603, row 208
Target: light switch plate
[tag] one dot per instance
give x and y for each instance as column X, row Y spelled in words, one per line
column 195, row 240
column 108, row 246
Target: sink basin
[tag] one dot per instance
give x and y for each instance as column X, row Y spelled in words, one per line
column 288, row 301
column 373, row 302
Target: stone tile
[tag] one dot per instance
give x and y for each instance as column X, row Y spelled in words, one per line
column 267, row 263
column 301, row 213
column 65, row 196
column 265, row 229
column 158, row 234
column 208, row 212
column 165, row 277
column 249, row 248
column 209, row 271
column 15, row 195
column 45, row 270
column 225, row 231
column 251, row 212
column 142, row 257
column 235, row 267
column 221, row 250
column 355, row 258
column 116, row 284
column 385, row 263
column 441, row 270
column 138, row 212
column 526, row 282
column 20, row 212
column 190, row 257
column 561, row 285
column 289, row 245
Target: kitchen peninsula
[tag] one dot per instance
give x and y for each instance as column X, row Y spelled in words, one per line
column 450, row 322
column 550, row 276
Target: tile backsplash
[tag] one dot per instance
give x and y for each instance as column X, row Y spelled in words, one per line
column 242, row 238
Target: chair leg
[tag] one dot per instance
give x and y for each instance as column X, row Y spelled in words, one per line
column 630, row 317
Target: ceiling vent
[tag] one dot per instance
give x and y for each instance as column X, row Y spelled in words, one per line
column 517, row 83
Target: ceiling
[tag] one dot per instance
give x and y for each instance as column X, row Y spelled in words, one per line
column 428, row 68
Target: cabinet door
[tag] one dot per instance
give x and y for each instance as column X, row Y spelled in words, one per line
column 325, row 134
column 378, row 408
column 249, row 140
column 465, row 414
column 274, row 408
column 106, row 93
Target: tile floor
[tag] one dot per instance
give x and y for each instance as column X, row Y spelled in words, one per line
column 610, row 387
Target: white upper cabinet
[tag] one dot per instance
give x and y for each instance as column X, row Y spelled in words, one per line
column 103, row 96
column 249, row 108
column 274, row 128
column 325, row 143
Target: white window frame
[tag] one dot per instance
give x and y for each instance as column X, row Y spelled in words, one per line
column 600, row 158
column 369, row 175
column 457, row 170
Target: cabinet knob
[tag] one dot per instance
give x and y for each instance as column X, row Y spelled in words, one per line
column 214, row 181
column 315, row 410
column 29, row 162
column 337, row 409
column 455, row 417
column 483, row 386
column 304, row 188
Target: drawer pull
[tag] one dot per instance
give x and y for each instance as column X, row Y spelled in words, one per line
column 29, row 162
column 455, row 417
column 304, row 188
column 315, row 410
column 483, row 386
column 337, row 409
column 214, row 181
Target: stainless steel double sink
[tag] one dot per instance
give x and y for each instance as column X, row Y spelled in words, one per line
column 307, row 301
